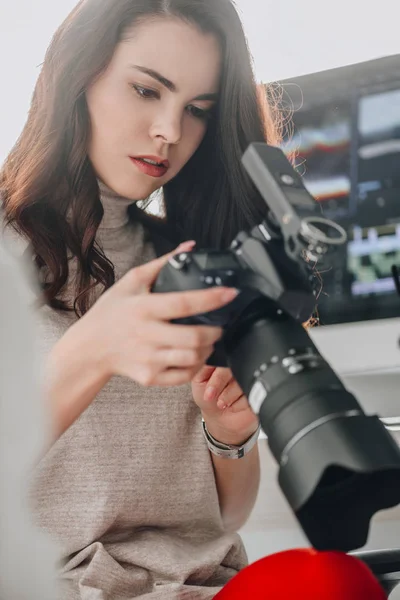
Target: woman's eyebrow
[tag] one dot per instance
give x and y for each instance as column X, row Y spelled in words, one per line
column 169, row 85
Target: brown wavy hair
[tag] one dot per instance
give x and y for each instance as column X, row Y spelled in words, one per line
column 49, row 187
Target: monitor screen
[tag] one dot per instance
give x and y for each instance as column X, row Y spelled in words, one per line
column 348, row 150
column 321, row 145
column 374, row 243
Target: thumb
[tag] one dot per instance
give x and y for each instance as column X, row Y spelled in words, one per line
column 140, row 279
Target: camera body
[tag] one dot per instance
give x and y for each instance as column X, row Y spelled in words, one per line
column 274, row 262
column 248, row 267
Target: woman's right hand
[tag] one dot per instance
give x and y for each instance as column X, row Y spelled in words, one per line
column 132, row 334
column 128, row 332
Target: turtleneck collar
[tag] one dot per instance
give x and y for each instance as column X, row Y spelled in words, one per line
column 115, row 208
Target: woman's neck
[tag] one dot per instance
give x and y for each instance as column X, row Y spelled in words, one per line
column 115, row 209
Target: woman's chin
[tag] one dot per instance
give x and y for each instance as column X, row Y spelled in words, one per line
column 131, row 188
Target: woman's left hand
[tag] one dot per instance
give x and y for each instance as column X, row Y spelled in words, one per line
column 224, row 407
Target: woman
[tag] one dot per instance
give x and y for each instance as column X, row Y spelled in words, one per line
column 137, row 96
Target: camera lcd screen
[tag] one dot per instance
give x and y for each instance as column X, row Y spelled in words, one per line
column 208, row 261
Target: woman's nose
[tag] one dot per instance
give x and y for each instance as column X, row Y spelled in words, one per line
column 168, row 126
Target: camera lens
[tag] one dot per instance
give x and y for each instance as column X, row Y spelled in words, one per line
column 337, row 466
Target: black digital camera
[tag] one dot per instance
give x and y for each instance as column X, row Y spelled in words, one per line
column 338, row 466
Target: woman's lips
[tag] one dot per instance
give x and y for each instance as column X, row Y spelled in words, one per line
column 148, row 169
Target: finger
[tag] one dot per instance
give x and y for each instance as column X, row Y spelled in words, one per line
column 174, row 357
column 217, row 383
column 172, row 377
column 178, row 305
column 140, row 279
column 230, row 394
column 182, row 336
column 239, row 405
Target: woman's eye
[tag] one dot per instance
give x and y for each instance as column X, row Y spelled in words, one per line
column 145, row 92
column 199, row 113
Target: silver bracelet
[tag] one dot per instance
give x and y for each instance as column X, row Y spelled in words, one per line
column 229, row 450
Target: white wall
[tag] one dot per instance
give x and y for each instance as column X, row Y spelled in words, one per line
column 294, row 37
column 26, row 28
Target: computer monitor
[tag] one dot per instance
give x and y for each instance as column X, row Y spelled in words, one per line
column 347, row 145
column 345, row 136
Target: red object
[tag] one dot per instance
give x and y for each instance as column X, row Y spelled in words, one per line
column 304, row 575
column 148, row 169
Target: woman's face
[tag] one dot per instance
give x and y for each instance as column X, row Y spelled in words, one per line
column 154, row 101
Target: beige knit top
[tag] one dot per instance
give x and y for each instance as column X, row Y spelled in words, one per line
column 129, row 491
